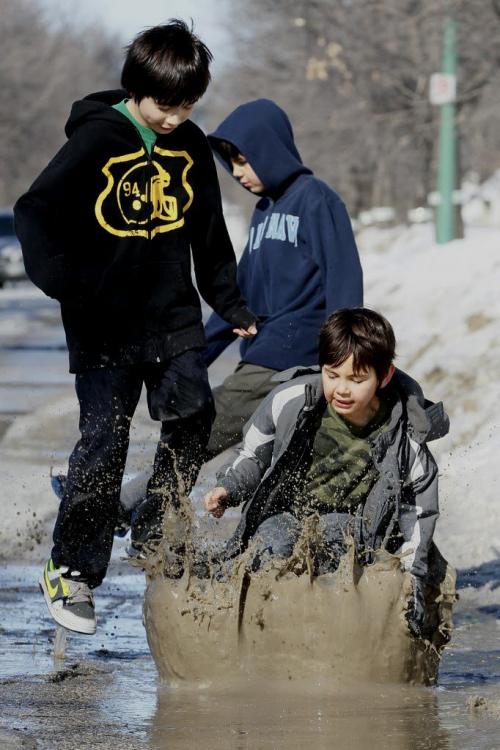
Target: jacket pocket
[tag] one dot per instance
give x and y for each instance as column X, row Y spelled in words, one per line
column 170, row 299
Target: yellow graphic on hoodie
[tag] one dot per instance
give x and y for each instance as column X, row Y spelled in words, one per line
column 144, row 198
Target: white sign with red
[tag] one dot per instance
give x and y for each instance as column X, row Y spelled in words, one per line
column 443, row 88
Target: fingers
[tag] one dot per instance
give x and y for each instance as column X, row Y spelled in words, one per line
column 246, row 333
column 241, row 332
column 214, row 501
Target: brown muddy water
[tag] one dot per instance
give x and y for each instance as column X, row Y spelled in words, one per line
column 346, row 627
column 107, row 694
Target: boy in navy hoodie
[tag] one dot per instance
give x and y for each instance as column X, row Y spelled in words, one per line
column 299, row 265
column 107, row 229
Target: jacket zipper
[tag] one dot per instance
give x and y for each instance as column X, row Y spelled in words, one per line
column 149, row 174
column 283, row 457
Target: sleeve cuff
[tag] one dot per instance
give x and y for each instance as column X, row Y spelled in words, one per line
column 242, row 318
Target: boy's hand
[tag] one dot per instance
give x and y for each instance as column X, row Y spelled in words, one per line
column 246, row 333
column 215, row 501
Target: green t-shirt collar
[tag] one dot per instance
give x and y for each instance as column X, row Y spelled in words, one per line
column 147, row 134
column 382, row 415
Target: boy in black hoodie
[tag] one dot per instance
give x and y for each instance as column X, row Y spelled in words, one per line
column 300, row 262
column 107, row 230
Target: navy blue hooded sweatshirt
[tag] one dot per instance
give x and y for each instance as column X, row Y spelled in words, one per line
column 301, row 262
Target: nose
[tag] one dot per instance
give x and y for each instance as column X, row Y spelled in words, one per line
column 343, row 388
column 237, row 170
column 172, row 121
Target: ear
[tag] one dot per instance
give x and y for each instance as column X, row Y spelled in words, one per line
column 387, row 379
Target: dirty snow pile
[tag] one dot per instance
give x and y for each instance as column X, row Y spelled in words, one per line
column 444, row 303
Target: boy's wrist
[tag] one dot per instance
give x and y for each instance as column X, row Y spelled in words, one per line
column 229, row 499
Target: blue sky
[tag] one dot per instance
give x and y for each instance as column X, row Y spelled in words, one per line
column 127, row 17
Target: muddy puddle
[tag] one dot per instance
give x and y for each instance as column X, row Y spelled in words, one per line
column 344, row 627
column 107, row 694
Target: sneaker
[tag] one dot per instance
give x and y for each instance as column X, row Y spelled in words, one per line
column 122, row 526
column 70, row 603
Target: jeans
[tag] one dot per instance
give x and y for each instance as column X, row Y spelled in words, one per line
column 179, row 397
column 277, row 535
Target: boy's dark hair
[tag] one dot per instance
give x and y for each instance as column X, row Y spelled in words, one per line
column 364, row 333
column 227, row 150
column 168, row 63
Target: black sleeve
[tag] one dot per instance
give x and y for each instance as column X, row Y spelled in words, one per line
column 213, row 254
column 41, row 220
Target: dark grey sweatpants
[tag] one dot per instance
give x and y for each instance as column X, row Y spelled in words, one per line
column 235, row 402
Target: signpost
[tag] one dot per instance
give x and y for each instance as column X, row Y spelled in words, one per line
column 443, row 94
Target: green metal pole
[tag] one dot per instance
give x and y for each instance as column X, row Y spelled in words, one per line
column 446, row 230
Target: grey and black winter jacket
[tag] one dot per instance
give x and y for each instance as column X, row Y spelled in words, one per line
column 402, row 507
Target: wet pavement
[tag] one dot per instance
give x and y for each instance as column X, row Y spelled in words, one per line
column 33, row 354
column 103, row 691
column 106, row 692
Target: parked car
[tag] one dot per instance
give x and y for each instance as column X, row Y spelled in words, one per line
column 11, row 257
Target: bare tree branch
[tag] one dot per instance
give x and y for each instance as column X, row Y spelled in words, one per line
column 354, row 77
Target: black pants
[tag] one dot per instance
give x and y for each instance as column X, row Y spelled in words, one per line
column 179, row 397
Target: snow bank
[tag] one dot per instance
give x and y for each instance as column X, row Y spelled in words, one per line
column 444, row 303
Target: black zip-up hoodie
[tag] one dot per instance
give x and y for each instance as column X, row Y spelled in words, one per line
column 107, row 230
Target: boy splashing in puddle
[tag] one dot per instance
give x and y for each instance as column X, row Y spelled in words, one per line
column 108, row 229
column 349, row 444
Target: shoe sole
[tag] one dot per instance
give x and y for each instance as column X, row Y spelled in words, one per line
column 68, row 621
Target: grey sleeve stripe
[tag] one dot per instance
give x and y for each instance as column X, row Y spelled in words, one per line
column 254, row 458
column 254, row 439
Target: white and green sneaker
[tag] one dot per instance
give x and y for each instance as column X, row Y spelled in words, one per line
column 70, row 602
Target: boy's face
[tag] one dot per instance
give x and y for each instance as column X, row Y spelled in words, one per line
column 161, row 118
column 244, row 173
column 352, row 394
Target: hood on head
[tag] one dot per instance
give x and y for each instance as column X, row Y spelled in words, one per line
column 262, row 132
column 96, row 106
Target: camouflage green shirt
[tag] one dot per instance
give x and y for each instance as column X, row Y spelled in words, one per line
column 342, row 471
